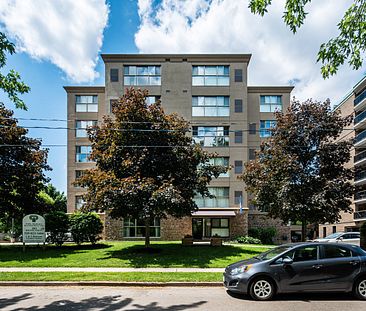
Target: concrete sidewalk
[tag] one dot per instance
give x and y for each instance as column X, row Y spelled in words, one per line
column 75, row 269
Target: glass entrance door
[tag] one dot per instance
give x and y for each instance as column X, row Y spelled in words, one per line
column 197, row 228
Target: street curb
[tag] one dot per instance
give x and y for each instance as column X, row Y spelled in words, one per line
column 107, row 283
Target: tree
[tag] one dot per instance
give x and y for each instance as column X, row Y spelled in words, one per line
column 146, row 165
column 22, row 166
column 85, row 227
column 350, row 44
column 299, row 172
column 11, row 83
column 57, row 224
column 56, row 200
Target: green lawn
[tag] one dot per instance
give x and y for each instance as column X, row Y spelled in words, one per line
column 117, row 277
column 126, row 254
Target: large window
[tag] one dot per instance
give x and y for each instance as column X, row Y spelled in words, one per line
column 83, row 153
column 221, row 198
column 142, row 75
column 270, row 103
column 79, row 202
column 220, row 227
column 135, row 228
column 82, row 125
column 265, row 127
column 86, row 103
column 224, row 161
column 210, row 106
column 210, row 76
column 211, row 136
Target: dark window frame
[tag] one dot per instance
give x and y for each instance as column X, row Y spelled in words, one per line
column 238, row 75
column 238, row 105
column 114, row 75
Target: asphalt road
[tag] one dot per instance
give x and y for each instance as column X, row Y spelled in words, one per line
column 159, row 299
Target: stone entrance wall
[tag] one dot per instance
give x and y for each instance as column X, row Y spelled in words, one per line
column 261, row 220
column 174, row 229
column 239, row 224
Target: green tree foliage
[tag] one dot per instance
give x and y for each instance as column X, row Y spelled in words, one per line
column 11, row 82
column 265, row 235
column 85, row 227
column 55, row 199
column 299, row 172
column 146, row 165
column 22, row 166
column 350, row 44
column 57, row 224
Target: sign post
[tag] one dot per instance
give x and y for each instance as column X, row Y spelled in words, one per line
column 33, row 229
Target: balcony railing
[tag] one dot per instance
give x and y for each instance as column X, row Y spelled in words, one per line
column 359, row 157
column 360, row 98
column 359, row 215
column 360, row 117
column 360, row 195
column 360, row 175
column 360, row 136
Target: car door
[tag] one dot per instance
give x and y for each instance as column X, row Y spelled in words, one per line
column 340, row 265
column 303, row 274
column 350, row 238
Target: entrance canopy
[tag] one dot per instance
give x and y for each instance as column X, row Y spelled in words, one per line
column 214, row 214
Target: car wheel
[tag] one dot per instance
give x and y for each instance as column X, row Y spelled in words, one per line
column 262, row 289
column 360, row 288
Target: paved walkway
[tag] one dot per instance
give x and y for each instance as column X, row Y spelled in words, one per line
column 65, row 269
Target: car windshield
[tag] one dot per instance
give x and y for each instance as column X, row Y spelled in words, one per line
column 333, row 236
column 273, row 252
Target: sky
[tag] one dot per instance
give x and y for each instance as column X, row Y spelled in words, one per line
column 59, row 43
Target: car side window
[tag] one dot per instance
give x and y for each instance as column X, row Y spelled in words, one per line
column 306, row 253
column 347, row 236
column 334, row 251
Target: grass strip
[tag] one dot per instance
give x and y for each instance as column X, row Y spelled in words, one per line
column 113, row 276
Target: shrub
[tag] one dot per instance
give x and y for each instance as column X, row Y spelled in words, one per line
column 57, row 224
column 247, row 240
column 85, row 227
column 363, row 236
column 266, row 235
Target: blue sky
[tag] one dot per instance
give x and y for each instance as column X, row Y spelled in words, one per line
column 59, row 43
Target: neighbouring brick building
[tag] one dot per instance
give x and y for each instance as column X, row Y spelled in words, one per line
column 354, row 103
column 228, row 117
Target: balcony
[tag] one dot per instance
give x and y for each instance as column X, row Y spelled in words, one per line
column 360, row 139
column 360, row 158
column 360, row 178
column 360, row 101
column 360, row 120
column 359, row 216
column 360, row 197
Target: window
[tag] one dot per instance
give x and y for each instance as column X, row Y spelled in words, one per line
column 221, row 198
column 78, row 174
column 324, row 232
column 270, row 103
column 79, row 202
column 224, row 161
column 238, row 137
column 135, row 228
column 142, row 75
column 151, row 99
column 220, row 227
column 265, row 127
column 334, row 251
column 238, row 195
column 252, row 128
column 86, row 103
column 114, row 75
column 83, row 153
column 251, row 154
column 210, row 106
column 81, row 127
column 238, row 167
column 306, row 253
column 238, row 105
column 334, row 229
column 238, row 75
column 210, row 76
column 211, row 136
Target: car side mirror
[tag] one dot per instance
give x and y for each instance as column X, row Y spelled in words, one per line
column 340, row 238
column 287, row 261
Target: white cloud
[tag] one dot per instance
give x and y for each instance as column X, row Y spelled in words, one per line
column 67, row 33
column 227, row 26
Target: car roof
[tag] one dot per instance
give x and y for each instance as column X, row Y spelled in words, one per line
column 297, row 244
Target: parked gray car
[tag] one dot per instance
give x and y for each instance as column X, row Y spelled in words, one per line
column 300, row 267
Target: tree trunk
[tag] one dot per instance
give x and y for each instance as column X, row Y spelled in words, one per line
column 303, row 231
column 147, row 232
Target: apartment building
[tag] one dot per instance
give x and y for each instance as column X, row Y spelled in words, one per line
column 354, row 103
column 228, row 117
